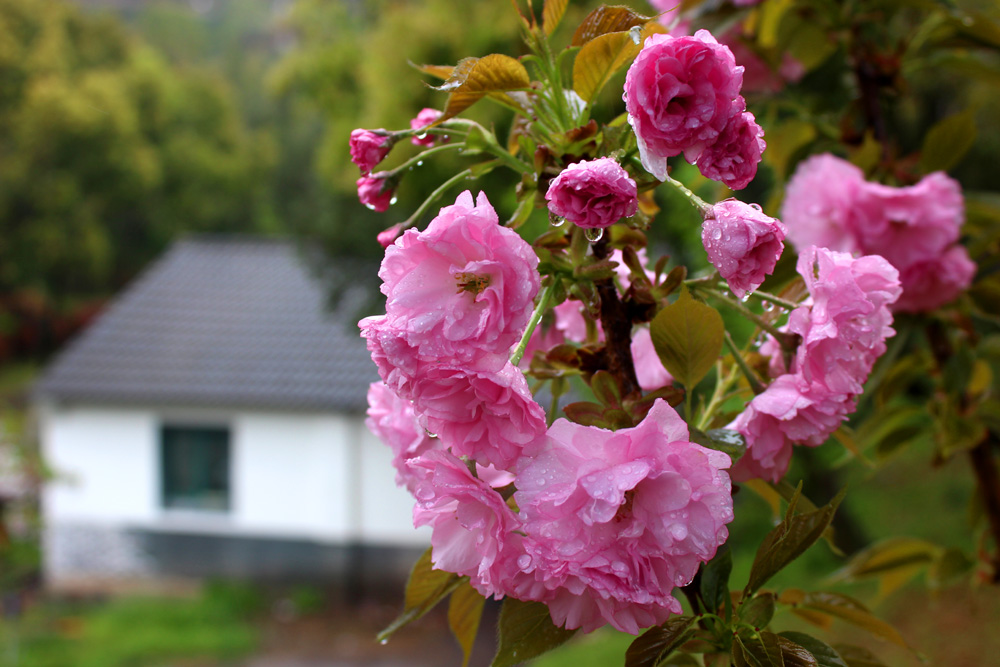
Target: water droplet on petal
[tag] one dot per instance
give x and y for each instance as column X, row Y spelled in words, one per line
column 556, row 221
column 393, row 200
column 716, row 233
column 746, row 297
column 756, row 207
column 524, row 561
column 370, row 207
column 593, row 235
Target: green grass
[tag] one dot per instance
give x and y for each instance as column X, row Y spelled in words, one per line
column 136, row 631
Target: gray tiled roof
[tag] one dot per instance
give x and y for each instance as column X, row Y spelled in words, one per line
column 220, row 322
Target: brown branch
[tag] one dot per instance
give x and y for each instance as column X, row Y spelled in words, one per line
column 617, row 325
column 984, row 465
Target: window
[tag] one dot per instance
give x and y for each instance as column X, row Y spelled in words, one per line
column 195, row 467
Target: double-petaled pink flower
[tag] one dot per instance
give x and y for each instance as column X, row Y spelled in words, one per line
column 679, row 95
column 615, row 520
column 369, row 147
column 843, row 327
column 422, row 120
column 916, row 228
column 394, row 421
column 742, row 243
column 376, row 191
column 593, row 194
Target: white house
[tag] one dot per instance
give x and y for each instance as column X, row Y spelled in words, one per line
column 211, row 422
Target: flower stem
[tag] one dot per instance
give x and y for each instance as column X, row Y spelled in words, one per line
column 738, row 306
column 536, row 317
column 776, row 300
column 419, row 157
column 703, row 207
column 755, row 383
column 719, row 396
column 434, row 196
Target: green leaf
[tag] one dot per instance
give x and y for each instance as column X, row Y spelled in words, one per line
column 758, row 610
column 655, row 644
column 948, row 141
column 687, row 336
column 809, row 43
column 852, row 611
column 715, row 581
column 789, row 540
column 607, row 19
column 475, row 78
column 525, row 631
column 756, row 649
column 856, row 656
column 465, row 609
column 586, row 413
column 552, row 14
column 823, row 653
column 731, row 443
column 424, row 589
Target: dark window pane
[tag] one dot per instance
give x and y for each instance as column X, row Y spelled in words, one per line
column 195, row 467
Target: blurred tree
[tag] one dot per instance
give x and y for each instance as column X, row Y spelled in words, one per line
column 107, row 152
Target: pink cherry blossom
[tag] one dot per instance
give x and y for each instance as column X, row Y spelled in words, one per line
column 369, row 147
column 426, row 116
column 593, row 194
column 376, row 191
column 615, row 520
column 489, row 416
column 818, row 203
column 473, row 531
column 742, row 243
column 934, row 282
column 679, row 95
column 394, row 422
column 462, row 290
column 911, row 224
column 843, row 327
column 732, row 159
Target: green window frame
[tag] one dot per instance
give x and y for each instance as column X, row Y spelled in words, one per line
column 195, row 467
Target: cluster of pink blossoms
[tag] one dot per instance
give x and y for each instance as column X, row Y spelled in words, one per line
column 830, row 204
column 594, row 194
column 608, row 522
column 682, row 95
column 843, row 326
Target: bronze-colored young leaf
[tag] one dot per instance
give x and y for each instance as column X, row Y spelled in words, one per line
column 822, row 653
column 857, row 656
column 552, row 14
column 757, row 649
column 888, row 555
column 948, row 141
column 795, row 655
column 465, row 609
column 442, row 72
column 606, row 389
column 655, row 644
column 525, row 631
column 424, row 589
column 475, row 78
column 687, row 336
column 852, row 611
column 598, row 61
column 605, row 19
column 789, row 540
column 586, row 413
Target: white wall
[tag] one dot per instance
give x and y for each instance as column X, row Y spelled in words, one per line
column 311, row 476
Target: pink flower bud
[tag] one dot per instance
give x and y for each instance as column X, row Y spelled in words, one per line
column 375, row 191
column 593, row 194
column 369, row 147
column 742, row 243
column 733, row 158
column 679, row 95
column 423, row 119
column 388, row 236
